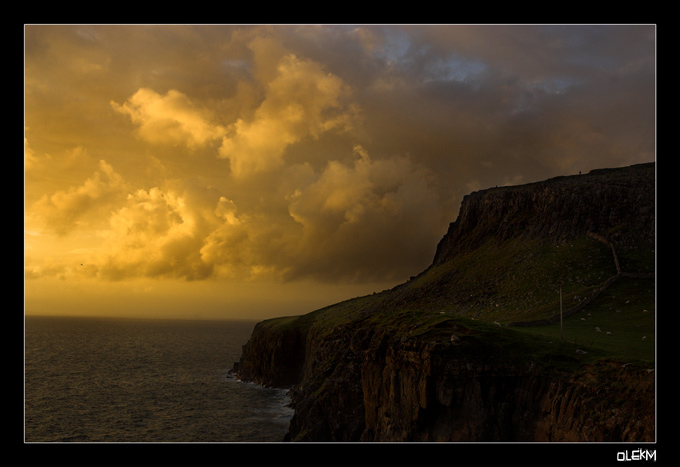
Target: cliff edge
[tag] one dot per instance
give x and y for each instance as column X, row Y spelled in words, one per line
column 470, row 349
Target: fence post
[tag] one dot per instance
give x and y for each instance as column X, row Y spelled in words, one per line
column 561, row 319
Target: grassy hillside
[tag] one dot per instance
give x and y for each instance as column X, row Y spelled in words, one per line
column 488, row 288
column 620, row 323
column 504, row 277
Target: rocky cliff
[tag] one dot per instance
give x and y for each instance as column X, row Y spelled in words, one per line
column 619, row 203
column 434, row 360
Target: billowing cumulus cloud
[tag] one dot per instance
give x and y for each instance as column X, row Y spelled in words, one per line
column 302, row 101
column 177, row 231
column 317, row 154
column 171, row 119
column 157, row 233
column 68, row 209
column 342, row 223
column 361, row 213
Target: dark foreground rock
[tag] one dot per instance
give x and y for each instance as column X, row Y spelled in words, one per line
column 375, row 384
column 410, row 364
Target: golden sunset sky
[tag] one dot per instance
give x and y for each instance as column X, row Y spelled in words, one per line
column 253, row 171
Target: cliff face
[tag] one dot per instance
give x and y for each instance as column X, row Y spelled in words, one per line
column 559, row 209
column 389, row 367
column 372, row 384
column 429, row 393
column 273, row 357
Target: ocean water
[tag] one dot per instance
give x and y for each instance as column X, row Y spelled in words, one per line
column 100, row 380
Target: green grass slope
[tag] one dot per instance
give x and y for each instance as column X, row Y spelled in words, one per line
column 497, row 285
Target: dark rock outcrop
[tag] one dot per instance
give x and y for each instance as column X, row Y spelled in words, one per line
column 418, row 392
column 379, row 368
column 370, row 384
column 558, row 209
column 273, row 356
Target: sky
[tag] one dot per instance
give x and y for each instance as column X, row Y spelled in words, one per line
column 254, row 171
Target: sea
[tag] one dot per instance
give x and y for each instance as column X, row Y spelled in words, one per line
column 110, row 380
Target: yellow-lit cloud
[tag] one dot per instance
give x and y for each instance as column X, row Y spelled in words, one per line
column 29, row 156
column 155, row 234
column 279, row 154
column 170, row 119
column 65, row 210
column 332, row 221
column 364, row 210
column 302, row 101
